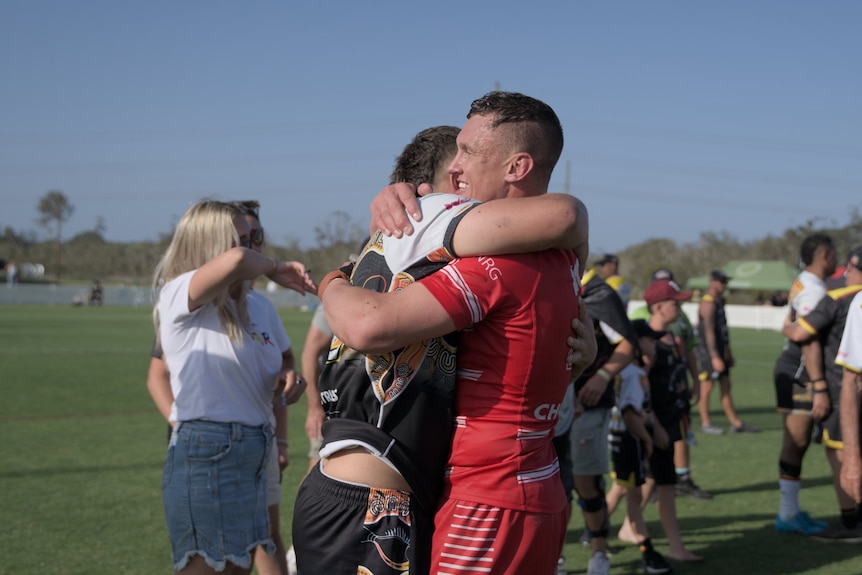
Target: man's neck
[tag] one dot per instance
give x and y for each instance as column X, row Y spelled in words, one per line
column 817, row 270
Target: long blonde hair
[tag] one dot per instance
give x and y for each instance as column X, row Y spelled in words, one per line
column 205, row 231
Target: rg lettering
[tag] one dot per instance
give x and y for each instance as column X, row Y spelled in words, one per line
column 491, row 267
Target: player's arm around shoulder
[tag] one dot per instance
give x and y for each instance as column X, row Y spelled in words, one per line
column 374, row 322
column 521, row 225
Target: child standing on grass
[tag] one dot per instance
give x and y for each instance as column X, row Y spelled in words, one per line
column 667, row 378
column 633, row 434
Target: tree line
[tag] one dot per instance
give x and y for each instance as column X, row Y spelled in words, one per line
column 88, row 255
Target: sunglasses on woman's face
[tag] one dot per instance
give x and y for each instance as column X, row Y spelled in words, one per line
column 257, row 237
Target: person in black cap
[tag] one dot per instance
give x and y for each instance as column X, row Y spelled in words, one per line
column 608, row 270
column 715, row 356
column 609, row 266
column 826, row 323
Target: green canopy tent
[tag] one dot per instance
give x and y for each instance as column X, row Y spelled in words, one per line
column 761, row 275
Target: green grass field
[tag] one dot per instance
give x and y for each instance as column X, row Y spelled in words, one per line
column 82, row 451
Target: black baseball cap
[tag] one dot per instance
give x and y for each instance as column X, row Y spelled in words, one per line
column 609, row 259
column 661, row 274
column 720, row 276
column 855, row 258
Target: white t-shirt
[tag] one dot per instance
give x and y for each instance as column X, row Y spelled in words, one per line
column 212, row 378
column 631, row 392
column 429, row 235
column 806, row 292
column 850, row 350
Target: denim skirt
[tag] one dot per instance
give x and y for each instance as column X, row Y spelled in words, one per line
column 214, row 492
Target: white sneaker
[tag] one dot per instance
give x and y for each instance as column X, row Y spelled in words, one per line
column 291, row 561
column 561, row 566
column 599, row 564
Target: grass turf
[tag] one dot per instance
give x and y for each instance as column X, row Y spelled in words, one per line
column 82, row 451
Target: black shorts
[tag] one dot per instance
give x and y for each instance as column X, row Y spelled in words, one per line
column 705, row 371
column 828, row 430
column 661, row 466
column 338, row 527
column 792, row 395
column 628, row 460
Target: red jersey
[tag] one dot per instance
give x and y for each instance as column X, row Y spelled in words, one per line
column 515, row 312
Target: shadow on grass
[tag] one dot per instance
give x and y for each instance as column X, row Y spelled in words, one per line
column 757, row 550
column 730, row 549
column 771, row 486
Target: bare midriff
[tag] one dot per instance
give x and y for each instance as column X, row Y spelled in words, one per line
column 356, row 465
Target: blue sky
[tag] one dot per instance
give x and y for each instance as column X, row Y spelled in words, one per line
column 680, row 117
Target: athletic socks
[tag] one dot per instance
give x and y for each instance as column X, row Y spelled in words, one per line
column 788, row 507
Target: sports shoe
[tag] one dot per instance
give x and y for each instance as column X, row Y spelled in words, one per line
column 838, row 534
column 561, row 566
column 654, row 564
column 801, row 523
column 711, row 429
column 687, row 487
column 599, row 564
column 743, row 428
column 586, row 538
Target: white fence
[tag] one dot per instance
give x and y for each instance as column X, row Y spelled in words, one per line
column 134, row 296
column 750, row 316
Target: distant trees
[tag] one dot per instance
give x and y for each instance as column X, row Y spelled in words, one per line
column 89, row 255
column 55, row 210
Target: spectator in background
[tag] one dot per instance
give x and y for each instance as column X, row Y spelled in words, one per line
column 96, row 293
column 684, row 333
column 158, row 383
column 594, row 398
column 669, row 399
column 633, row 435
column 715, row 356
column 799, row 398
column 11, row 273
column 608, row 269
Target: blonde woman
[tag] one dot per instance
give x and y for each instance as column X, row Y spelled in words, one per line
column 225, row 373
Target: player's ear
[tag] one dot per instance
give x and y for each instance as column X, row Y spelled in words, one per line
column 519, row 166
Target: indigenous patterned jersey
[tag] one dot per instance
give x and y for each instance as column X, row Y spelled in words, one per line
column 516, row 313
column 366, row 398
